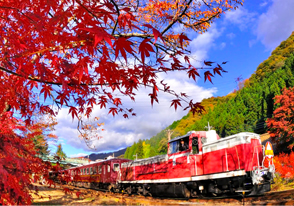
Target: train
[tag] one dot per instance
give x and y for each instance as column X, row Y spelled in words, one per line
column 207, row 166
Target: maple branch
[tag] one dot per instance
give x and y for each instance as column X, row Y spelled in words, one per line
column 6, row 7
column 118, row 14
column 206, row 3
column 50, row 82
column 199, row 23
column 175, row 20
column 133, row 35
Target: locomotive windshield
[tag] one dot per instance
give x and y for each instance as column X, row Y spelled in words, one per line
column 173, row 147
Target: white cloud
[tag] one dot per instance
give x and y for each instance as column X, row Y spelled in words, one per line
column 78, row 155
column 240, row 17
column 276, row 24
column 120, row 132
column 203, row 43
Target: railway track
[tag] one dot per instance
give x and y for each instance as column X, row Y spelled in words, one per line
column 271, row 198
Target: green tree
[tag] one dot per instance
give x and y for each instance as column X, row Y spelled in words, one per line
column 162, row 148
column 132, row 151
column 41, row 145
column 139, row 150
column 126, row 154
column 146, row 150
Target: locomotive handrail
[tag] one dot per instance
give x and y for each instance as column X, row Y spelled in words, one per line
column 195, row 161
column 238, row 157
column 227, row 159
column 256, row 155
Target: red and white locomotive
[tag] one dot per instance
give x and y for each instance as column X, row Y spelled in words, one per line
column 209, row 165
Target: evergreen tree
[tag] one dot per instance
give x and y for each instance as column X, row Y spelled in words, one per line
column 41, row 145
column 162, row 149
column 126, row 154
column 146, row 150
column 132, row 151
column 60, row 152
column 139, row 150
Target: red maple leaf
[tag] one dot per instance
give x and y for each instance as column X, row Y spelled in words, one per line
column 176, row 103
column 208, row 63
column 207, row 75
column 100, row 34
column 113, row 111
column 117, row 101
column 183, row 37
column 122, row 45
column 193, row 73
column 156, row 33
column 187, row 60
column 144, row 49
column 184, row 95
column 73, row 111
column 79, row 194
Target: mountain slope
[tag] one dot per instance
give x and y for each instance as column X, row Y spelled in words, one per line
column 95, row 156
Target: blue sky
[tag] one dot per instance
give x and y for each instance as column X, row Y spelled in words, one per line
column 244, row 37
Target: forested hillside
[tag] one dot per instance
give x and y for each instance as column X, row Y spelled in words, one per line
column 246, row 109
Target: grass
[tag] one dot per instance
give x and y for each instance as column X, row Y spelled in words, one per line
column 282, row 184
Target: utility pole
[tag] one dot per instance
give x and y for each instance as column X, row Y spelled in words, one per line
column 208, row 127
column 169, row 133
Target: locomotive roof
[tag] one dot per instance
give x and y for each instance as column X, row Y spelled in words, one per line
column 138, row 162
column 104, row 160
column 180, row 137
column 250, row 134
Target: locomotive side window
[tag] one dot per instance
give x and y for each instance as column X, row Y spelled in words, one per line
column 91, row 170
column 195, row 145
column 183, row 144
column 203, row 140
column 115, row 167
column 99, row 169
column 87, row 170
column 108, row 168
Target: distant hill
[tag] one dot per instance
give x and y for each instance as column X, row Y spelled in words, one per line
column 96, row 156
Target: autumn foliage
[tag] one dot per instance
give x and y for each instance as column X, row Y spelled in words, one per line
column 82, row 53
column 19, row 165
column 281, row 126
column 284, row 165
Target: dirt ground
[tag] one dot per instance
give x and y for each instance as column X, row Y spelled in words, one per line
column 82, row 196
column 67, row 195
